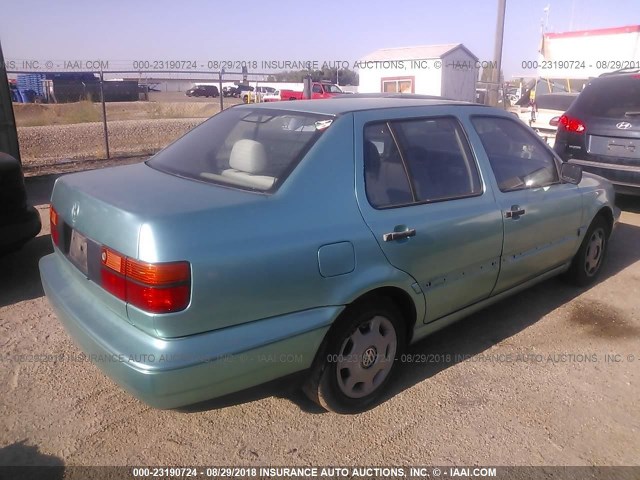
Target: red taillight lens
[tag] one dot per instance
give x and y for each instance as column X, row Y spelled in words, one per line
column 53, row 222
column 153, row 287
column 114, row 284
column 158, row 300
column 571, row 124
column 554, row 121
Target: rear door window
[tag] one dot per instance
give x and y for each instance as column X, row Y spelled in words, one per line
column 438, row 159
column 386, row 178
column 418, row 161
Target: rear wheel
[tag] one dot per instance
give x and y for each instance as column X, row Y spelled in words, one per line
column 587, row 263
column 358, row 359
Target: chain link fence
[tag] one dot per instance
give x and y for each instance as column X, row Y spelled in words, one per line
column 97, row 116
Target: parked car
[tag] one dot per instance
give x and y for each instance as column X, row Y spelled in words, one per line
column 259, row 92
column 318, row 236
column 319, row 90
column 545, row 115
column 203, row 91
column 601, row 130
column 19, row 222
column 272, row 97
column 238, row 90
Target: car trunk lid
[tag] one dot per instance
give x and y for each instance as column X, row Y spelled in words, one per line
column 111, row 205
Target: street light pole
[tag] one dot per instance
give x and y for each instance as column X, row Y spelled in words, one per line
column 497, row 54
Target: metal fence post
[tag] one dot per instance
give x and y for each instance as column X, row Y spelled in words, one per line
column 220, row 74
column 104, row 116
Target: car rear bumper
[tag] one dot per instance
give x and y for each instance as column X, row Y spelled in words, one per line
column 170, row 373
column 20, row 230
column 625, row 178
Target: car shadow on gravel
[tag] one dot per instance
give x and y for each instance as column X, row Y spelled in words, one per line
column 21, row 461
column 20, row 277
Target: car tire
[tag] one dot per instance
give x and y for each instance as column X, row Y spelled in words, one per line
column 587, row 263
column 358, row 357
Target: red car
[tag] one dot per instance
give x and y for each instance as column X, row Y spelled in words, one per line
column 318, row 90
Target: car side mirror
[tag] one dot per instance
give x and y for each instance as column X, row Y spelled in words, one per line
column 571, row 173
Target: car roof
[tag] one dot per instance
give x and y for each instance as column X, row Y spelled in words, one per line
column 357, row 102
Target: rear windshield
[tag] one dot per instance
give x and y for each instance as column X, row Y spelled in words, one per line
column 611, row 97
column 555, row 102
column 254, row 149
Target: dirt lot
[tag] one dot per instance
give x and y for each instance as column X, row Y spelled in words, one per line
column 73, row 131
column 560, row 403
column 160, row 105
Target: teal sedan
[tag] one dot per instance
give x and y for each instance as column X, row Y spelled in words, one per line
column 313, row 236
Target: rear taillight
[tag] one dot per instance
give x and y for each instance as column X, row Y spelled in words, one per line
column 152, row 287
column 571, row 124
column 53, row 222
column 554, row 121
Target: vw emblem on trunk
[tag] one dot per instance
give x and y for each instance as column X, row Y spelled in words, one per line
column 623, row 125
column 75, row 210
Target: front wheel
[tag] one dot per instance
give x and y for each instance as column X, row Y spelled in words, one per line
column 358, row 359
column 587, row 263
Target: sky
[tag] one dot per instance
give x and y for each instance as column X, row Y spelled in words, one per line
column 322, row 30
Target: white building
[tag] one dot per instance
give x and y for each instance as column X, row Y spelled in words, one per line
column 449, row 70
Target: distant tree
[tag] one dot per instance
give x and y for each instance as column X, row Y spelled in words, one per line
column 345, row 76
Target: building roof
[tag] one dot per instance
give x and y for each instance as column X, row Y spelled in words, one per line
column 420, row 52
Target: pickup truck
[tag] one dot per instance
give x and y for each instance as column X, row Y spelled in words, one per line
column 318, row 90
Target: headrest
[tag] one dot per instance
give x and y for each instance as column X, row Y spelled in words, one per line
column 248, row 156
column 371, row 157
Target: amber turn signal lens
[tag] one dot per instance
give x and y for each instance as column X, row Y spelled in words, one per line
column 53, row 222
column 157, row 274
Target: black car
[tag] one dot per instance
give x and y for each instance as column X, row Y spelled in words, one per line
column 237, row 90
column 19, row 222
column 601, row 130
column 203, row 91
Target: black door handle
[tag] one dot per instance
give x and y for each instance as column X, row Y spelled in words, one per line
column 515, row 212
column 389, row 237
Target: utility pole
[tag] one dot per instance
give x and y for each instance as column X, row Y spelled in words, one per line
column 497, row 54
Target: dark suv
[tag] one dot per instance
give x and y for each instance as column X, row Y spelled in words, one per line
column 203, row 91
column 237, row 90
column 601, row 130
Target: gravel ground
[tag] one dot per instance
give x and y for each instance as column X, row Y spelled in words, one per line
column 135, row 128
column 47, row 144
column 560, row 403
